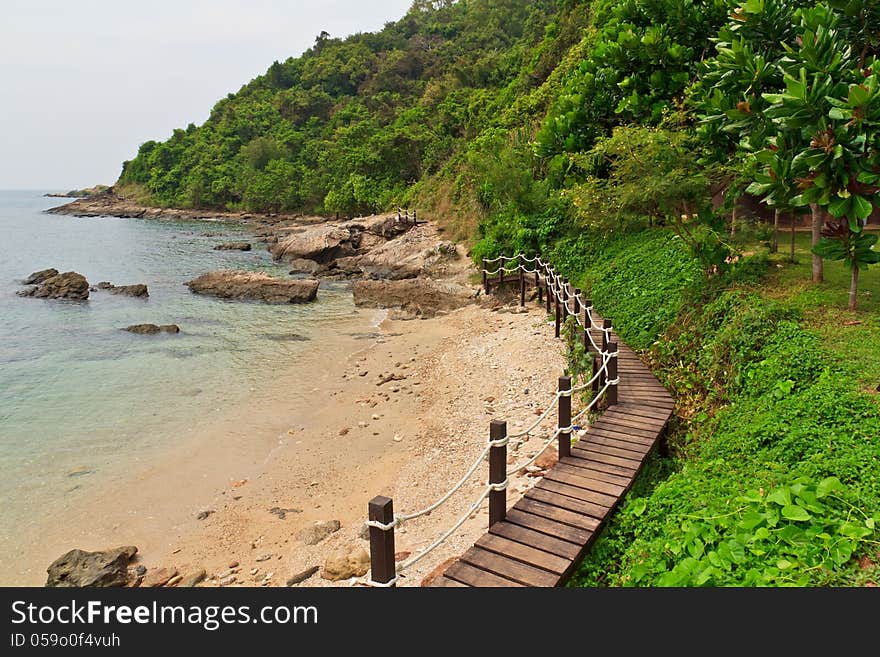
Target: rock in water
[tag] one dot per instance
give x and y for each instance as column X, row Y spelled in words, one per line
column 79, row 568
column 347, row 562
column 68, row 285
column 417, row 296
column 229, row 284
column 139, row 290
column 39, row 276
column 233, row 246
column 151, row 329
column 317, row 532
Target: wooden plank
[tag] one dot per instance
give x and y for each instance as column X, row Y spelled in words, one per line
column 663, row 403
column 525, row 553
column 646, row 411
column 613, row 426
column 583, row 494
column 445, row 582
column 597, row 511
column 634, row 421
column 613, row 447
column 590, row 461
column 535, row 539
column 547, row 526
column 470, row 576
column 563, row 476
column 582, row 468
column 591, row 454
column 539, row 508
column 509, row 568
column 598, row 432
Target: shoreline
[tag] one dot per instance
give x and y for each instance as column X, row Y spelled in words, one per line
column 307, row 470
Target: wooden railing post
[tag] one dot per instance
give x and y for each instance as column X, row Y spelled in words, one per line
column 564, row 420
column 382, row 566
column 577, row 301
column 547, row 290
column 606, row 324
column 415, row 221
column 485, row 278
column 611, row 393
column 501, row 271
column 597, row 363
column 497, row 471
column 522, row 279
column 538, row 284
column 587, row 325
column 564, row 302
column 558, row 311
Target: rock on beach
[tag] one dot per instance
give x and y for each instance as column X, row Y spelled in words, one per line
column 231, row 284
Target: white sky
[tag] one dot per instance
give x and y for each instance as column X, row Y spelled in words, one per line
column 84, row 82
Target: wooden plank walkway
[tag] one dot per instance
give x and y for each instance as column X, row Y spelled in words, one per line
column 546, row 533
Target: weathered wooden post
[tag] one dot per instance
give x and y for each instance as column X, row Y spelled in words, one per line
column 564, row 302
column 597, row 363
column 501, row 262
column 485, row 278
column 415, row 221
column 538, row 285
column 587, row 325
column 577, row 302
column 611, row 393
column 557, row 313
column 606, row 324
column 497, row 471
column 522, row 279
column 382, row 566
column 564, row 420
column 547, row 290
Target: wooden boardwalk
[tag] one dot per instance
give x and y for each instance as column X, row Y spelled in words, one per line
column 545, row 534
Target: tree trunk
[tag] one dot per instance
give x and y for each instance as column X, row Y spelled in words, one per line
column 774, row 244
column 791, row 229
column 817, row 216
column 854, row 287
column 733, row 221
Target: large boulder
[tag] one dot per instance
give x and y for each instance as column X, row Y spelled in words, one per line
column 230, row 284
column 68, row 285
column 416, row 296
column 417, row 253
column 319, row 243
column 79, row 568
column 39, row 276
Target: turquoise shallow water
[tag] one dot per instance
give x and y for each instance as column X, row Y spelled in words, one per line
column 79, row 398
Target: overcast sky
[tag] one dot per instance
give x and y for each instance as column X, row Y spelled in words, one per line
column 85, row 82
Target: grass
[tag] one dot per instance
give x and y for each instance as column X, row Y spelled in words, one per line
column 854, row 337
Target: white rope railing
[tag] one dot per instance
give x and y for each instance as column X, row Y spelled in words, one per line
column 564, row 296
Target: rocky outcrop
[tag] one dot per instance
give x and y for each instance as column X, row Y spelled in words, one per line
column 138, row 290
column 231, row 284
column 418, row 253
column 152, row 329
column 418, row 297
column 351, row 561
column 79, row 568
column 321, row 244
column 68, row 285
column 233, row 246
column 40, row 276
column 306, row 266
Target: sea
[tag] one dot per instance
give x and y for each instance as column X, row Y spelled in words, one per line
column 83, row 401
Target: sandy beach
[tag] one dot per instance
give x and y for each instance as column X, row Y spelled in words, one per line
column 319, row 444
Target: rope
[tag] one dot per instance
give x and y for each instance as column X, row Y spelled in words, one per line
column 473, row 507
